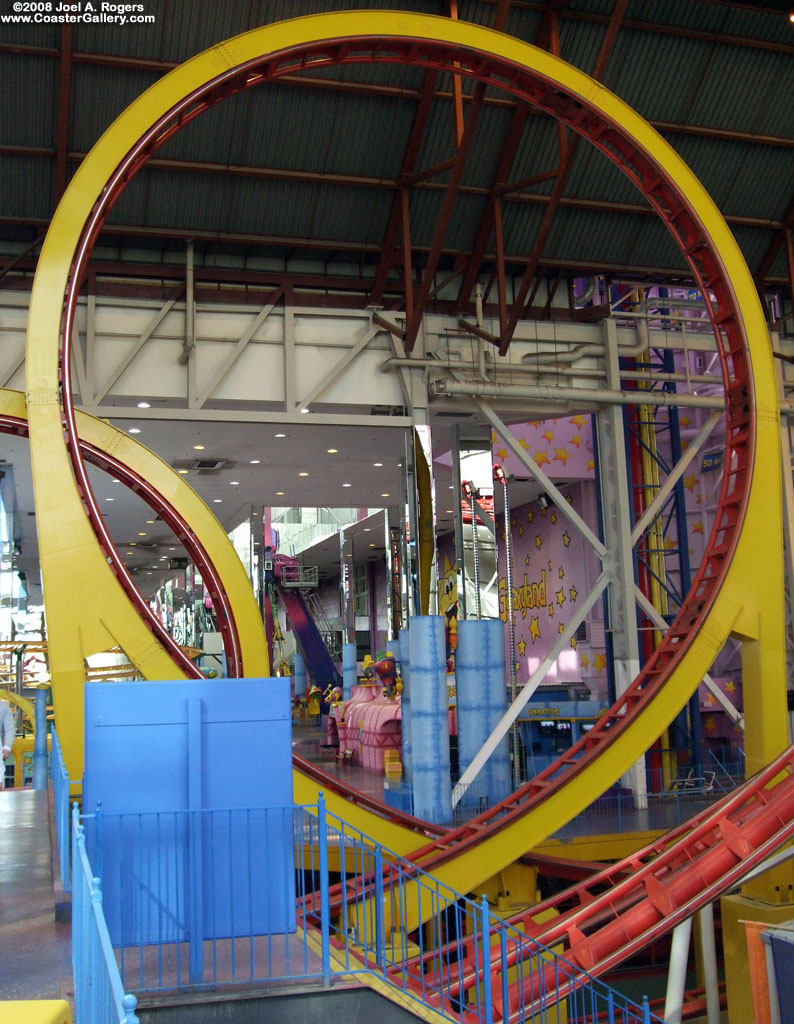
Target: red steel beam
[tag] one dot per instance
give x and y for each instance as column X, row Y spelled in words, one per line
column 605, row 50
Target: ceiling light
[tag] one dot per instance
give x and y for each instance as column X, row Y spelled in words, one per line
column 133, row 543
column 279, row 435
column 134, row 430
column 279, row 494
column 304, row 411
column 163, row 558
column 129, row 552
column 347, row 485
column 198, row 447
column 367, row 529
column 234, row 483
column 303, row 473
column 332, row 451
column 110, row 499
column 377, row 463
column 182, row 471
column 150, row 522
column 217, row 501
column 144, row 405
column 254, row 462
column 141, row 533
column 117, row 481
column 385, row 494
column 172, row 549
column 372, row 545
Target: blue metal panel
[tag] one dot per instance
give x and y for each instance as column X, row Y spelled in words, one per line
column 176, row 766
column 429, row 719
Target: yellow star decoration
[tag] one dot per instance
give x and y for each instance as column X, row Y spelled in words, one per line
column 522, row 646
column 553, row 517
column 730, row 687
column 538, row 542
column 710, row 700
column 502, row 453
column 569, row 499
column 566, row 539
column 573, row 643
column 561, row 628
column 561, row 455
column 530, row 515
column 578, row 421
column 697, row 528
column 573, row 593
column 523, row 443
column 685, row 420
column 585, row 659
column 560, row 597
column 494, row 437
column 689, row 482
column 669, row 544
column 600, row 662
column 512, row 520
column 542, row 458
column 551, row 611
column 534, row 629
column 543, row 512
column 527, row 559
column 576, row 440
column 590, row 465
column 547, row 436
column 561, row 573
column 709, row 725
column 521, row 531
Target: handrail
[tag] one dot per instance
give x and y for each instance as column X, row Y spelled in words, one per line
column 98, row 992
column 60, row 800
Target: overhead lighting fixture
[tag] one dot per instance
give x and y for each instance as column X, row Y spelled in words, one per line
column 385, row 494
column 372, row 545
column 150, row 522
column 304, row 411
column 279, row 435
column 279, row 494
column 172, row 549
column 377, row 463
column 234, row 483
column 217, row 501
column 141, row 533
column 134, row 430
column 144, row 405
column 133, row 544
column 332, row 451
column 110, row 499
column 367, row 529
column 254, row 462
column 129, row 552
column 303, row 473
column 347, row 485
column 198, row 447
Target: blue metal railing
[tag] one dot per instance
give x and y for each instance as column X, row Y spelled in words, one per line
column 60, row 798
column 354, row 898
column 99, row 995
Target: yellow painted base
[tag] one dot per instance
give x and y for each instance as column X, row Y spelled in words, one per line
column 736, row 909
column 35, row 1011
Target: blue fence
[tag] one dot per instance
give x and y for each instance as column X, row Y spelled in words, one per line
column 60, row 797
column 99, row 996
column 358, row 908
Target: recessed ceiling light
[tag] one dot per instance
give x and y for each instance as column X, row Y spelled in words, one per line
column 347, row 485
column 449, row 511
column 332, row 451
column 303, row 473
column 217, row 501
column 134, row 430
column 279, row 435
column 377, row 463
column 279, row 494
column 372, row 545
column 130, row 552
column 234, row 483
column 182, row 471
column 163, row 558
column 452, row 487
column 198, row 447
column 141, row 533
column 144, row 405
column 304, row 411
column 133, row 543
column 367, row 529
column 117, row 481
column 172, row 549
column 385, row 494
column 254, row 462
column 150, row 522
column 110, row 499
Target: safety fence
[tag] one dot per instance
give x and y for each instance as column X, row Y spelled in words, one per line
column 98, row 992
column 60, row 798
column 200, row 898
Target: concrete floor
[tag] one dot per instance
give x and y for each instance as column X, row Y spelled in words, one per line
column 35, row 950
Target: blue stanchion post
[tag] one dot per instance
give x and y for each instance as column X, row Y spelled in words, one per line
column 40, row 742
column 325, row 903
column 380, row 941
column 646, row 1011
column 429, row 720
column 487, row 998
column 349, row 667
column 99, row 852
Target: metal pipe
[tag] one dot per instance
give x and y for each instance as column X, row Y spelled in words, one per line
column 442, row 386
column 511, row 628
column 190, row 308
column 676, row 977
column 709, row 954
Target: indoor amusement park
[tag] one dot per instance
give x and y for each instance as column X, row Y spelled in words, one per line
column 397, row 512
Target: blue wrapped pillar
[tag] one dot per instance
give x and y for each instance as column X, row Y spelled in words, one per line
column 299, row 674
column 349, row 677
column 40, row 741
column 481, row 686
column 430, row 720
column 405, row 704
